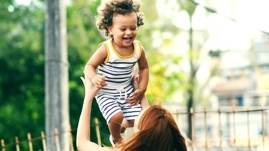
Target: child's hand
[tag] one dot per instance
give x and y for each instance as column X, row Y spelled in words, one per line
column 99, row 81
column 136, row 97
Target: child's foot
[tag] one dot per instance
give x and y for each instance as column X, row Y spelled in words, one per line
column 128, row 133
column 123, row 134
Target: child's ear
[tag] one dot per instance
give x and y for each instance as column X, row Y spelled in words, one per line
column 110, row 30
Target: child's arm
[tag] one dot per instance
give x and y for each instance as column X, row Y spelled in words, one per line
column 143, row 81
column 90, row 69
column 144, row 102
column 143, row 72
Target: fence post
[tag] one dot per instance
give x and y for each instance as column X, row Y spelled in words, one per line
column 192, row 128
column 43, row 141
column 17, row 143
column 228, row 124
column 263, row 134
column 234, row 129
column 3, row 145
column 97, row 131
column 206, row 131
column 71, row 138
column 266, row 123
column 56, row 135
column 220, row 129
column 30, row 142
column 248, row 130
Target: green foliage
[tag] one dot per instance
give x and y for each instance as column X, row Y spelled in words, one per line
column 22, row 71
column 165, row 73
column 165, row 77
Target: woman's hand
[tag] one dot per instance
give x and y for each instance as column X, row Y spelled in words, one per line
column 90, row 89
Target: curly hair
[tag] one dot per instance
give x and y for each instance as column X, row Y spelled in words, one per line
column 109, row 7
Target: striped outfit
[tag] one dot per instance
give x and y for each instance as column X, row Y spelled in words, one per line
column 118, row 72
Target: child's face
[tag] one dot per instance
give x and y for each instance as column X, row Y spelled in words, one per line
column 124, row 29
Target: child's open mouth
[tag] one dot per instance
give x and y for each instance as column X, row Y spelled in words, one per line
column 128, row 39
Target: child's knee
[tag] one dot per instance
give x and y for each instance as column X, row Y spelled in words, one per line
column 117, row 118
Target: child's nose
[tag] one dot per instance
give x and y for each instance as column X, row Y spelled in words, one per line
column 128, row 31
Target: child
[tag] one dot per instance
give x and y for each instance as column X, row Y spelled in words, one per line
column 115, row 59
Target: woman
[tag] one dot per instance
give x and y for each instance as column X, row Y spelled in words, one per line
column 154, row 129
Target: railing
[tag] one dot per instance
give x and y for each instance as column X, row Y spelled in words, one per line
column 42, row 138
column 213, row 130
column 229, row 120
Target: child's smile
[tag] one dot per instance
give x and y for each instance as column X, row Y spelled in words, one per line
column 124, row 29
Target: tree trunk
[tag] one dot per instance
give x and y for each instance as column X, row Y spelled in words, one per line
column 56, row 74
column 191, row 82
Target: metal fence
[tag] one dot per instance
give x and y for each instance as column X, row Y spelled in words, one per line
column 232, row 129
column 33, row 144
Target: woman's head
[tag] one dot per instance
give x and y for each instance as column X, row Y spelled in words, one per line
column 156, row 131
column 109, row 8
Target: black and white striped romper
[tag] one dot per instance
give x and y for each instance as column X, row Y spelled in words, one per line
column 118, row 72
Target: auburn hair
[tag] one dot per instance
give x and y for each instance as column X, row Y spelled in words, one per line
column 108, row 7
column 158, row 131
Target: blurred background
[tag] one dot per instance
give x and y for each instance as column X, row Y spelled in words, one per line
column 211, row 54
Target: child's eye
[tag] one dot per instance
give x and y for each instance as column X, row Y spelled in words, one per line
column 133, row 28
column 122, row 29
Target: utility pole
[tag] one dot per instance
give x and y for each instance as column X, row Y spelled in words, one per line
column 56, row 75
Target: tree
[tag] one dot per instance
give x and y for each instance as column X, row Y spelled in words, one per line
column 56, row 73
column 190, row 9
column 195, row 61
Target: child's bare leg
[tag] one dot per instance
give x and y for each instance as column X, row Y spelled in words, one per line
column 114, row 126
column 125, row 124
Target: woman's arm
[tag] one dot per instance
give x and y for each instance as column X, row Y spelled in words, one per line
column 83, row 132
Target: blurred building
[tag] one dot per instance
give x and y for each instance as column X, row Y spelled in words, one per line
column 244, row 75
